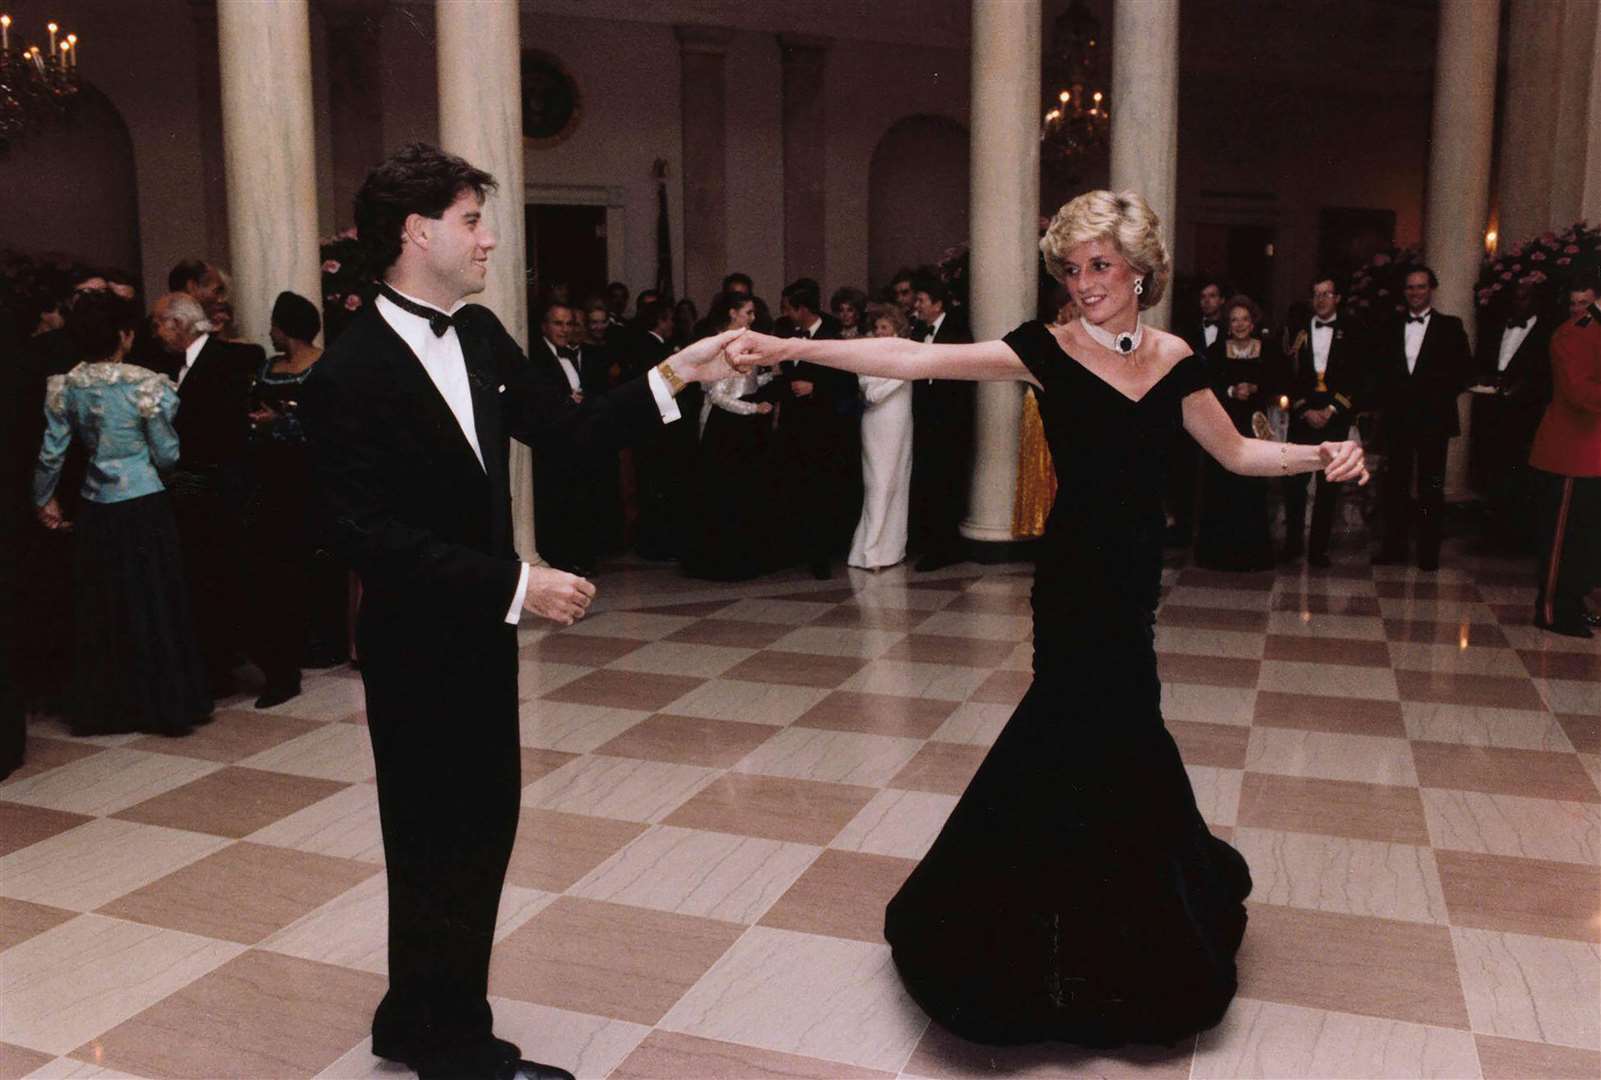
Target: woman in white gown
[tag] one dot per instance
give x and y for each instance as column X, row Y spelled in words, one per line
column 880, row 538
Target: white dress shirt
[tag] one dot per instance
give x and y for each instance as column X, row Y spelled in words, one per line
column 1322, row 341
column 811, row 331
column 933, row 328
column 191, row 354
column 1414, row 338
column 567, row 367
column 1512, row 340
column 441, row 357
column 1209, row 332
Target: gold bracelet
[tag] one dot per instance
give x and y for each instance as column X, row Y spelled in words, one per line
column 1284, row 459
column 675, row 384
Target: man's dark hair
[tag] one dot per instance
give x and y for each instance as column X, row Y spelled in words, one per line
column 903, row 274
column 1588, row 278
column 651, row 314
column 1320, row 277
column 181, row 276
column 1419, row 268
column 806, row 293
column 738, row 278
column 417, row 179
column 96, row 322
column 1213, row 280
column 646, row 296
column 617, row 286
column 936, row 288
column 296, row 316
column 552, row 306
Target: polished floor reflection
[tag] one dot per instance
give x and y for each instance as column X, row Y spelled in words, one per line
column 723, row 786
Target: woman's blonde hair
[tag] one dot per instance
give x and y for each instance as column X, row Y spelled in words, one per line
column 1125, row 219
column 892, row 312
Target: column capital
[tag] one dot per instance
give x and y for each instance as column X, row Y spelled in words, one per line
column 694, row 38
column 797, row 47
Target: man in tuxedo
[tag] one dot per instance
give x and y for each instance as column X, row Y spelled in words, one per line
column 662, row 463
column 942, row 436
column 818, row 437
column 1579, row 300
column 1512, row 381
column 1326, row 361
column 1567, row 457
column 213, row 422
column 564, row 481
column 409, row 416
column 1423, row 364
column 1184, row 465
column 902, row 292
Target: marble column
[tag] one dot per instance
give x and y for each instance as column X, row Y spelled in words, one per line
column 1590, row 196
column 805, row 153
column 1528, row 120
column 267, row 136
column 355, row 97
column 1004, row 215
column 1457, row 202
column 1145, row 113
column 481, row 118
column 208, row 96
column 1576, row 152
column 703, row 104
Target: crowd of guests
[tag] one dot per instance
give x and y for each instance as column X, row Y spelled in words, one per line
column 1397, row 381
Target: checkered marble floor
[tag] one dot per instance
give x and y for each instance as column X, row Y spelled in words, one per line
column 725, row 784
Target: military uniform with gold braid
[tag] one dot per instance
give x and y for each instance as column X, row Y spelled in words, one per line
column 1325, row 365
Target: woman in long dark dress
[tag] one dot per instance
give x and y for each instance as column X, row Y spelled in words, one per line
column 1075, row 893
column 1233, row 530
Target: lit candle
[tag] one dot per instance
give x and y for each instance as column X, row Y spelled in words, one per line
column 38, row 61
column 1284, row 401
column 52, row 28
column 5, row 32
column 72, row 39
column 66, row 48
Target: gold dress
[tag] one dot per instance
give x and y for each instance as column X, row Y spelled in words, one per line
column 1036, row 474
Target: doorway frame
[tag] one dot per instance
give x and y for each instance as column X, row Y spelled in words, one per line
column 614, row 199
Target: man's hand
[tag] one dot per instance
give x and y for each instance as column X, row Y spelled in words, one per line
column 1318, row 418
column 577, row 396
column 704, row 361
column 753, row 350
column 1244, row 391
column 557, row 595
column 764, row 407
column 801, row 388
column 50, row 515
column 1343, row 461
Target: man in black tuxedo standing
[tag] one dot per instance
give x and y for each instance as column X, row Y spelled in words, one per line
column 1327, row 363
column 564, row 481
column 213, row 423
column 409, row 416
column 1512, row 384
column 662, row 463
column 819, row 437
column 1184, row 465
column 1424, row 362
column 942, row 436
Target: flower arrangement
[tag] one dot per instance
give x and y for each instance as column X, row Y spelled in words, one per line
column 1375, row 291
column 347, row 286
column 1547, row 261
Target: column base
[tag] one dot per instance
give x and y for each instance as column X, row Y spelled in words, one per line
column 993, row 552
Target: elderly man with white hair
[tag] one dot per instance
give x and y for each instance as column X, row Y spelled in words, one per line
column 213, row 379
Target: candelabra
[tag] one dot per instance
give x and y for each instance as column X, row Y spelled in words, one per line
column 36, row 86
column 1078, row 117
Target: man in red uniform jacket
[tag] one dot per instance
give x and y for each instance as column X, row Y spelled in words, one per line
column 1567, row 451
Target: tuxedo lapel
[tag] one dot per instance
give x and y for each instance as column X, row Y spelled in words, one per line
column 418, row 389
column 486, row 403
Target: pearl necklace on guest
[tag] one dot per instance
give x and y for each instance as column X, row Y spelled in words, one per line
column 1123, row 344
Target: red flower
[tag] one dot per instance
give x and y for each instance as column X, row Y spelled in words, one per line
column 352, row 302
column 1564, row 261
column 331, row 266
column 1506, row 276
column 1571, row 249
column 1538, row 256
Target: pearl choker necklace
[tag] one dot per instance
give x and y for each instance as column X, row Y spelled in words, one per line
column 1124, row 343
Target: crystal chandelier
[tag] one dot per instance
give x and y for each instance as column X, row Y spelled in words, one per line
column 1078, row 118
column 36, row 86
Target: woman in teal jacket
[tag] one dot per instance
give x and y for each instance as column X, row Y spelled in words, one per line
column 136, row 666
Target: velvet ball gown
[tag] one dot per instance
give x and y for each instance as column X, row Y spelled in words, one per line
column 1075, row 893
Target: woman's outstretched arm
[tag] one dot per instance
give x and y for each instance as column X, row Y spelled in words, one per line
column 1205, row 419
column 893, row 358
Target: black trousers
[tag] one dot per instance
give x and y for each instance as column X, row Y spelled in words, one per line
column 207, row 509
column 442, row 716
column 1325, row 498
column 942, row 465
column 1570, row 546
column 1423, row 454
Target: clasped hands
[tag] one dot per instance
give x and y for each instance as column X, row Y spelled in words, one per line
column 1343, row 461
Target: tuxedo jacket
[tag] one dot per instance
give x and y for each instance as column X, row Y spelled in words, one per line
column 945, row 404
column 1526, row 382
column 1344, row 377
column 425, row 526
column 834, row 392
column 1194, row 332
column 1422, row 404
column 213, row 405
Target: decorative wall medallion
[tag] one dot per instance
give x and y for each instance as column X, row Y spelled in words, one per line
column 552, row 104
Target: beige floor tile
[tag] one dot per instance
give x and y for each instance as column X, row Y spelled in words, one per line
column 1534, row 773
column 1198, row 641
column 638, row 690
column 797, row 669
column 1523, row 896
column 771, row 610
column 1003, row 688
column 842, row 894
column 839, row 757
column 1233, row 599
column 864, row 644
column 1514, row 825
column 41, row 754
column 234, row 801
column 730, row 632
column 335, row 752
column 988, row 627
column 1533, row 638
column 536, row 678
column 359, row 1063
column 22, row 825
column 873, row 617
column 1464, row 633
column 1573, row 666
column 1387, row 813
column 1324, row 625
column 666, row 1053
column 895, row 822
column 681, row 658
column 344, row 825
column 1497, row 691
column 941, row 1055
column 18, row 1061
column 571, row 727
column 1267, row 1040
column 1337, row 715
column 687, row 740
column 1583, row 732
column 67, row 985
column 1336, row 873
column 1569, row 696
column 1532, row 988
column 1513, row 1059
column 1328, row 680
column 1208, row 670
column 1367, row 759
column 1302, row 648
column 1174, row 616
column 986, row 601
column 99, row 861
column 588, row 1046
column 878, row 714
column 924, row 648
column 1208, row 704
column 692, row 872
column 973, row 723
column 612, row 960
column 803, row 994
column 231, row 736
column 1352, row 963
column 351, row 930
column 899, row 678
column 323, row 699
column 1221, row 745
column 553, row 850
column 612, row 787
column 583, row 650
column 106, row 782
column 774, row 807
column 1201, row 577
column 1320, row 603
column 21, row 920
column 242, row 893
column 1440, row 611
column 1474, row 660
column 1217, row 792
column 1466, row 725
column 233, row 1022
column 945, row 768
column 634, row 625
column 749, row 702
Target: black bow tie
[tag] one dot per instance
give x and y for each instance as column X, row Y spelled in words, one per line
column 1518, row 324
column 1417, row 318
column 438, row 321
column 1319, row 324
column 1210, row 322
column 568, row 353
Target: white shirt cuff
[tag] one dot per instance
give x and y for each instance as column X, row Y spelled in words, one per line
column 514, row 613
column 665, row 403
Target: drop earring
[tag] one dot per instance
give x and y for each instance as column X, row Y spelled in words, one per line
column 1139, row 288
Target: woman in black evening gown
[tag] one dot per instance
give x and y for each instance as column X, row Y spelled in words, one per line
column 1232, row 533
column 1075, row 893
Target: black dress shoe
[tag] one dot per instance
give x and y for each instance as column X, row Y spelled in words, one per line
column 276, row 695
column 932, row 561
column 522, row 1069
column 820, row 569
column 1590, row 618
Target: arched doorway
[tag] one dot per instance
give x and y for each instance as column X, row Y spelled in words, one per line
column 917, row 195
column 71, row 190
